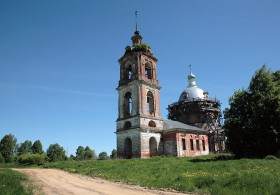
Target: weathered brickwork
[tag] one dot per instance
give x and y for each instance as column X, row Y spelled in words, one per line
column 140, row 127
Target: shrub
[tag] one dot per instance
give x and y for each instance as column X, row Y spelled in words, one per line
column 142, row 47
column 2, row 159
column 271, row 157
column 37, row 159
column 103, row 156
column 10, row 159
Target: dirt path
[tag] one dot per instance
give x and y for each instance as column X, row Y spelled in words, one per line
column 52, row 181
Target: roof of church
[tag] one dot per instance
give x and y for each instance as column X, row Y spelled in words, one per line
column 170, row 124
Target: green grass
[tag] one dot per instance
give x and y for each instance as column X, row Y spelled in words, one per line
column 208, row 174
column 204, row 175
column 12, row 182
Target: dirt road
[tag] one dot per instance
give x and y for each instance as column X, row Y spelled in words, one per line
column 53, row 181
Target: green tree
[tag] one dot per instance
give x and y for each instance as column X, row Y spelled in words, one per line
column 113, row 154
column 56, row 153
column 89, row 154
column 80, row 153
column 2, row 160
column 8, row 146
column 72, row 157
column 252, row 122
column 37, row 147
column 25, row 147
column 103, row 156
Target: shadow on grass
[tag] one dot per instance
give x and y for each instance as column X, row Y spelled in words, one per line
column 220, row 157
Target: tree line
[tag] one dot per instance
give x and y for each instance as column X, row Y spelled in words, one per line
column 252, row 123
column 28, row 153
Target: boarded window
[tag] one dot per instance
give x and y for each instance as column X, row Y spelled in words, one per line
column 184, row 144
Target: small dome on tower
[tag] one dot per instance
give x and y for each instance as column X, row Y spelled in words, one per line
column 192, row 92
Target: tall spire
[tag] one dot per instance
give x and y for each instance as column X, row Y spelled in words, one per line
column 136, row 21
column 136, row 38
column 190, row 66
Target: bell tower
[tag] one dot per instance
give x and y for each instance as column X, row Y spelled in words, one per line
column 139, row 120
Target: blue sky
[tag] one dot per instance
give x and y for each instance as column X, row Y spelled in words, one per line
column 59, row 59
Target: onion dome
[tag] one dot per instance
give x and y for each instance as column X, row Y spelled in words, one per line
column 192, row 92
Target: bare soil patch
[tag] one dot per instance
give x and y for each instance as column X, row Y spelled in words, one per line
column 52, row 181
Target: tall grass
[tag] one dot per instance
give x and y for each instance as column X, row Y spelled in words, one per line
column 208, row 174
column 12, row 182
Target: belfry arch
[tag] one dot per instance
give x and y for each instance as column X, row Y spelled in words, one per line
column 127, row 106
column 150, row 103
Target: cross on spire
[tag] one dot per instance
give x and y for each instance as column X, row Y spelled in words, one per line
column 190, row 66
column 136, row 21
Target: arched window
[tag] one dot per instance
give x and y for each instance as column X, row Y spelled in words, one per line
column 150, row 102
column 152, row 124
column 191, row 143
column 148, row 71
column 127, row 104
column 127, row 125
column 197, row 145
column 129, row 72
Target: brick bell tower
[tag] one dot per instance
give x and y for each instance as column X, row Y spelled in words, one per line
column 139, row 120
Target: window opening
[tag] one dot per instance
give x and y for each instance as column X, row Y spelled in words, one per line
column 203, row 145
column 184, row 144
column 148, row 71
column 150, row 102
column 152, row 124
column 197, row 145
column 129, row 72
column 191, row 142
column 127, row 125
column 127, row 104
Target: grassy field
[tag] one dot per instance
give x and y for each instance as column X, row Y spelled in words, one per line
column 12, row 182
column 209, row 174
column 203, row 175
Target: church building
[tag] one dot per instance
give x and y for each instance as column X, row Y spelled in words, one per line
column 141, row 130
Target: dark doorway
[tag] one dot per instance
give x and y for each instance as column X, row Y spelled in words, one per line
column 128, row 148
column 153, row 146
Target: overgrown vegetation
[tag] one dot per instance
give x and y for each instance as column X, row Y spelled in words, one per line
column 209, row 174
column 252, row 122
column 12, row 182
column 141, row 47
column 37, row 159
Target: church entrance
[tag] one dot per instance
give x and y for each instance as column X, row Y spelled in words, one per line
column 153, row 146
column 128, row 148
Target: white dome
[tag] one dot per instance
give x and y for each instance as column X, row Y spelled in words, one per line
column 192, row 92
